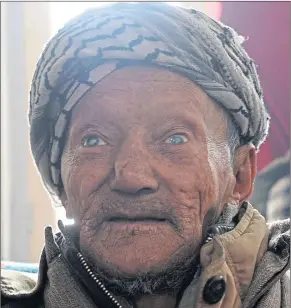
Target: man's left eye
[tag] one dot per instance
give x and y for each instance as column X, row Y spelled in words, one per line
column 177, row 139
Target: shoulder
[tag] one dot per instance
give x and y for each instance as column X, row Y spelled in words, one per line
column 279, row 239
column 13, row 282
column 17, row 288
column 270, row 286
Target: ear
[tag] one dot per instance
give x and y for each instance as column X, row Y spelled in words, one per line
column 64, row 200
column 245, row 170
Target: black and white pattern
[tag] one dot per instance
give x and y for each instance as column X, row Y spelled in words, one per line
column 102, row 40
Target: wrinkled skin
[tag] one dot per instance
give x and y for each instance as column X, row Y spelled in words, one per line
column 162, row 152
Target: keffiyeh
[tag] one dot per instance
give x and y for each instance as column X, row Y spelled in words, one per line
column 102, row 40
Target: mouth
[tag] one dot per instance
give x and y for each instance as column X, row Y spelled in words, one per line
column 139, row 222
column 141, row 219
column 138, row 217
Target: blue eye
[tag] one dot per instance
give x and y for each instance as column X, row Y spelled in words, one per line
column 92, row 141
column 177, row 139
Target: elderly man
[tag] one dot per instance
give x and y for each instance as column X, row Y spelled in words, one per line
column 145, row 121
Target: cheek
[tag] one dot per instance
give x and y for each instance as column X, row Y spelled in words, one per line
column 82, row 176
column 196, row 181
column 194, row 189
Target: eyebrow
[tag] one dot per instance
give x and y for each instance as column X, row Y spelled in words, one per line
column 190, row 121
column 95, row 126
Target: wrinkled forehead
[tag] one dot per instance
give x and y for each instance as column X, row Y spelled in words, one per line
column 145, row 93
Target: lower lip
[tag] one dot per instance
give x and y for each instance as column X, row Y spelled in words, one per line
column 136, row 224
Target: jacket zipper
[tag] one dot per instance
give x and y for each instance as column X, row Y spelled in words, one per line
column 87, row 268
column 216, row 230
column 97, row 281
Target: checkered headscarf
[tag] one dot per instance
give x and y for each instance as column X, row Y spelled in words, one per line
column 102, row 40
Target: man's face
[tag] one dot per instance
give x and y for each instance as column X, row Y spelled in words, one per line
column 146, row 159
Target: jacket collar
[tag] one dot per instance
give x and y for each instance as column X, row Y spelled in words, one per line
column 242, row 257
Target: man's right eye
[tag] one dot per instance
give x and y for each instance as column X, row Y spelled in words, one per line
column 92, row 141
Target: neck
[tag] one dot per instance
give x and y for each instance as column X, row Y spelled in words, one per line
column 157, row 301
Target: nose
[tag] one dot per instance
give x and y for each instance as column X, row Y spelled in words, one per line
column 133, row 173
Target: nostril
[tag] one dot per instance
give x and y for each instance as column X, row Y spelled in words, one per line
column 145, row 191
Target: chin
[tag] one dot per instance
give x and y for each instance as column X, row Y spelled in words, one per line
column 138, row 258
column 131, row 250
column 131, row 263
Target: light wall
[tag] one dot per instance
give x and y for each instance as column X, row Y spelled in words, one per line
column 38, row 31
column 25, row 206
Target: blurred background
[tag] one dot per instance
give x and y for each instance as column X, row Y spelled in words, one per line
column 26, row 28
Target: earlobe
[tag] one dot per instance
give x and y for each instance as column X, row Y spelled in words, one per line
column 245, row 168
